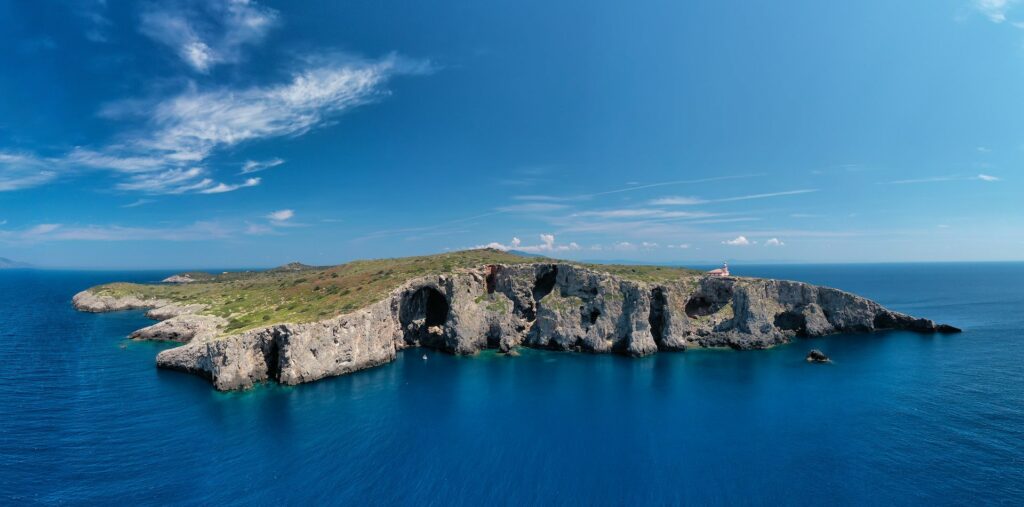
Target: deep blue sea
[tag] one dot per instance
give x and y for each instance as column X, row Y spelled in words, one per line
column 898, row 418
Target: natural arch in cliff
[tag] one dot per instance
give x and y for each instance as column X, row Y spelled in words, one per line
column 423, row 315
column 545, row 283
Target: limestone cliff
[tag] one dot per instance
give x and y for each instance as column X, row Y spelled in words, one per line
column 555, row 306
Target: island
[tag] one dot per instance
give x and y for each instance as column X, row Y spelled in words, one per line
column 299, row 323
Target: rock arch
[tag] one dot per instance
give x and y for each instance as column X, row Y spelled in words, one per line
column 423, row 314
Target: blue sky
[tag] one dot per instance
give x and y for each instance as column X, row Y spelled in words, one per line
column 230, row 133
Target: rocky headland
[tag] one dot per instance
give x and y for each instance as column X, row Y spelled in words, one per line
column 463, row 309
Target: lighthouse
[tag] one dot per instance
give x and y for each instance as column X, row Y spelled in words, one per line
column 722, row 271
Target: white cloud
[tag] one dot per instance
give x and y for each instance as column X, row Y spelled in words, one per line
column 19, row 171
column 192, row 125
column 738, row 241
column 209, row 32
column 648, row 245
column 681, row 246
column 252, row 166
column 547, row 244
column 167, row 155
column 624, row 246
column 281, row 215
column 42, row 229
column 774, row 242
column 171, row 181
column 986, row 177
column 138, row 202
column 995, row 10
column 259, row 229
column 220, row 188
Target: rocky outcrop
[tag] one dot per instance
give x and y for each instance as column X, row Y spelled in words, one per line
column 178, row 279
column 817, row 356
column 182, row 328
column 543, row 305
column 88, row 301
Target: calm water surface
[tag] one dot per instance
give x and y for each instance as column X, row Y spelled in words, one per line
column 899, row 418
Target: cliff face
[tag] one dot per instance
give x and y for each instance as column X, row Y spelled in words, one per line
column 542, row 305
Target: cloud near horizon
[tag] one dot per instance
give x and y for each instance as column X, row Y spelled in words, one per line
column 738, row 241
column 196, row 231
column 547, row 244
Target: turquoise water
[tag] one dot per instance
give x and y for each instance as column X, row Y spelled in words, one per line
column 898, row 418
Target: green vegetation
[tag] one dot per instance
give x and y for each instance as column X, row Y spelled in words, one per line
column 561, row 304
column 651, row 274
column 299, row 293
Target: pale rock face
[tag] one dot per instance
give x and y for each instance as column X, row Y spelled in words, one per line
column 551, row 306
column 88, row 302
column 178, row 279
column 173, row 310
column 182, row 328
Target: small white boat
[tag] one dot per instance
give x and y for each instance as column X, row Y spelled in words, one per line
column 424, row 357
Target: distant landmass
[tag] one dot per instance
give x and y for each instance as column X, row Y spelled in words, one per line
column 6, row 263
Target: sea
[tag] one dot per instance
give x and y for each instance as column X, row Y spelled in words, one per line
column 898, row 418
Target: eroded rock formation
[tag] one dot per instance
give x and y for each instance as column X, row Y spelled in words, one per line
column 542, row 305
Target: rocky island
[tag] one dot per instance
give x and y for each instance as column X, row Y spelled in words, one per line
column 299, row 323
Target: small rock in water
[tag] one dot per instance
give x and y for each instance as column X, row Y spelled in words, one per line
column 512, row 353
column 817, row 356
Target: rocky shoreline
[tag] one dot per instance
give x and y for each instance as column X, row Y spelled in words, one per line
column 554, row 306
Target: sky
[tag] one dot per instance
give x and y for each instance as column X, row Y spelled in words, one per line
column 233, row 133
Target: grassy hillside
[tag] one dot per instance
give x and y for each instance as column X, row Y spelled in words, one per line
column 299, row 293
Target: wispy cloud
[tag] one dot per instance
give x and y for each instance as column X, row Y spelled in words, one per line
column 678, row 201
column 94, row 14
column 994, row 10
column 932, row 179
column 938, row 179
column 196, row 231
column 252, row 166
column 532, row 207
column 19, row 171
column 207, row 33
column 139, row 202
column 684, row 201
column 630, row 187
column 167, row 155
column 644, row 213
column 221, row 188
column 774, row 242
